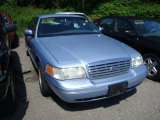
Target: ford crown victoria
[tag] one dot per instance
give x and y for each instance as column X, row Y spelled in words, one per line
column 77, row 62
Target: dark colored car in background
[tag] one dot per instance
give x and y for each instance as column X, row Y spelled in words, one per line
column 12, row 36
column 141, row 34
column 7, row 89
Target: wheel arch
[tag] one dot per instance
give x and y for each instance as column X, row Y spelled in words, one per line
column 41, row 62
column 150, row 51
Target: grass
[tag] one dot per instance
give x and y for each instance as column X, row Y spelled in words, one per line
column 22, row 15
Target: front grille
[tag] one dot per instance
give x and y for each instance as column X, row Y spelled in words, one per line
column 103, row 69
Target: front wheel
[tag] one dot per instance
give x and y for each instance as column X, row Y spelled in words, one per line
column 45, row 90
column 13, row 93
column 153, row 63
column 27, row 53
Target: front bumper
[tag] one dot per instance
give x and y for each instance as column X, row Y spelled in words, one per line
column 82, row 90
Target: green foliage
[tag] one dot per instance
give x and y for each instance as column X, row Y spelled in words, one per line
column 93, row 8
column 148, row 10
column 111, row 9
column 10, row 3
column 127, row 8
column 24, row 14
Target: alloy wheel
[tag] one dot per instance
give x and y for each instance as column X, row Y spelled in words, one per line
column 152, row 64
column 40, row 78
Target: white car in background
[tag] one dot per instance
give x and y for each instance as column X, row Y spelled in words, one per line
column 74, row 13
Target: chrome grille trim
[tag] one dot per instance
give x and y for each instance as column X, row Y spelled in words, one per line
column 108, row 68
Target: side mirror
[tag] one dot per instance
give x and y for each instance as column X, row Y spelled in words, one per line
column 101, row 29
column 28, row 32
column 129, row 32
column 10, row 28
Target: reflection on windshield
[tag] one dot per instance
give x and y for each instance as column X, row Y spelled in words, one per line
column 65, row 26
column 147, row 27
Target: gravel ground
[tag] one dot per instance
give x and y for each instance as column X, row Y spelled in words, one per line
column 140, row 104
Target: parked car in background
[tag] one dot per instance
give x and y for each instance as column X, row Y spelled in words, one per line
column 141, row 34
column 77, row 62
column 7, row 88
column 12, row 36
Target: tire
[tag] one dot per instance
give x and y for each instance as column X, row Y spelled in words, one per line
column 45, row 90
column 13, row 94
column 10, row 104
column 27, row 52
column 153, row 63
column 15, row 42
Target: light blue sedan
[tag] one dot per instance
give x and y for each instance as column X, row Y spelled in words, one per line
column 77, row 62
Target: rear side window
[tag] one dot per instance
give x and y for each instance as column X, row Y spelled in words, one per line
column 107, row 21
column 122, row 26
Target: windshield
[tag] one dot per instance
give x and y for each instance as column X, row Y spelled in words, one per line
column 147, row 27
column 65, row 26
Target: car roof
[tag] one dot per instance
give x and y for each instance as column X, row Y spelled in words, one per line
column 57, row 15
column 128, row 17
column 73, row 13
column 78, row 13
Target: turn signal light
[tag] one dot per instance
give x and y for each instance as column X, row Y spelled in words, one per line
column 49, row 70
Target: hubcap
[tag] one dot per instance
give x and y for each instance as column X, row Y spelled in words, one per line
column 40, row 78
column 152, row 64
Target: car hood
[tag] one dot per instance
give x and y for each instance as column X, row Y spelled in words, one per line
column 83, row 48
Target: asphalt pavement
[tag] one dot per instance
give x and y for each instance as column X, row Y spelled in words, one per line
column 140, row 104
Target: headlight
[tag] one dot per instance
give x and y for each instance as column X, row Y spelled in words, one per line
column 65, row 73
column 137, row 61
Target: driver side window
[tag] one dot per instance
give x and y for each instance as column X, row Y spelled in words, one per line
column 107, row 23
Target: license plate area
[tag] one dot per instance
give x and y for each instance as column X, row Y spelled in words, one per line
column 116, row 89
